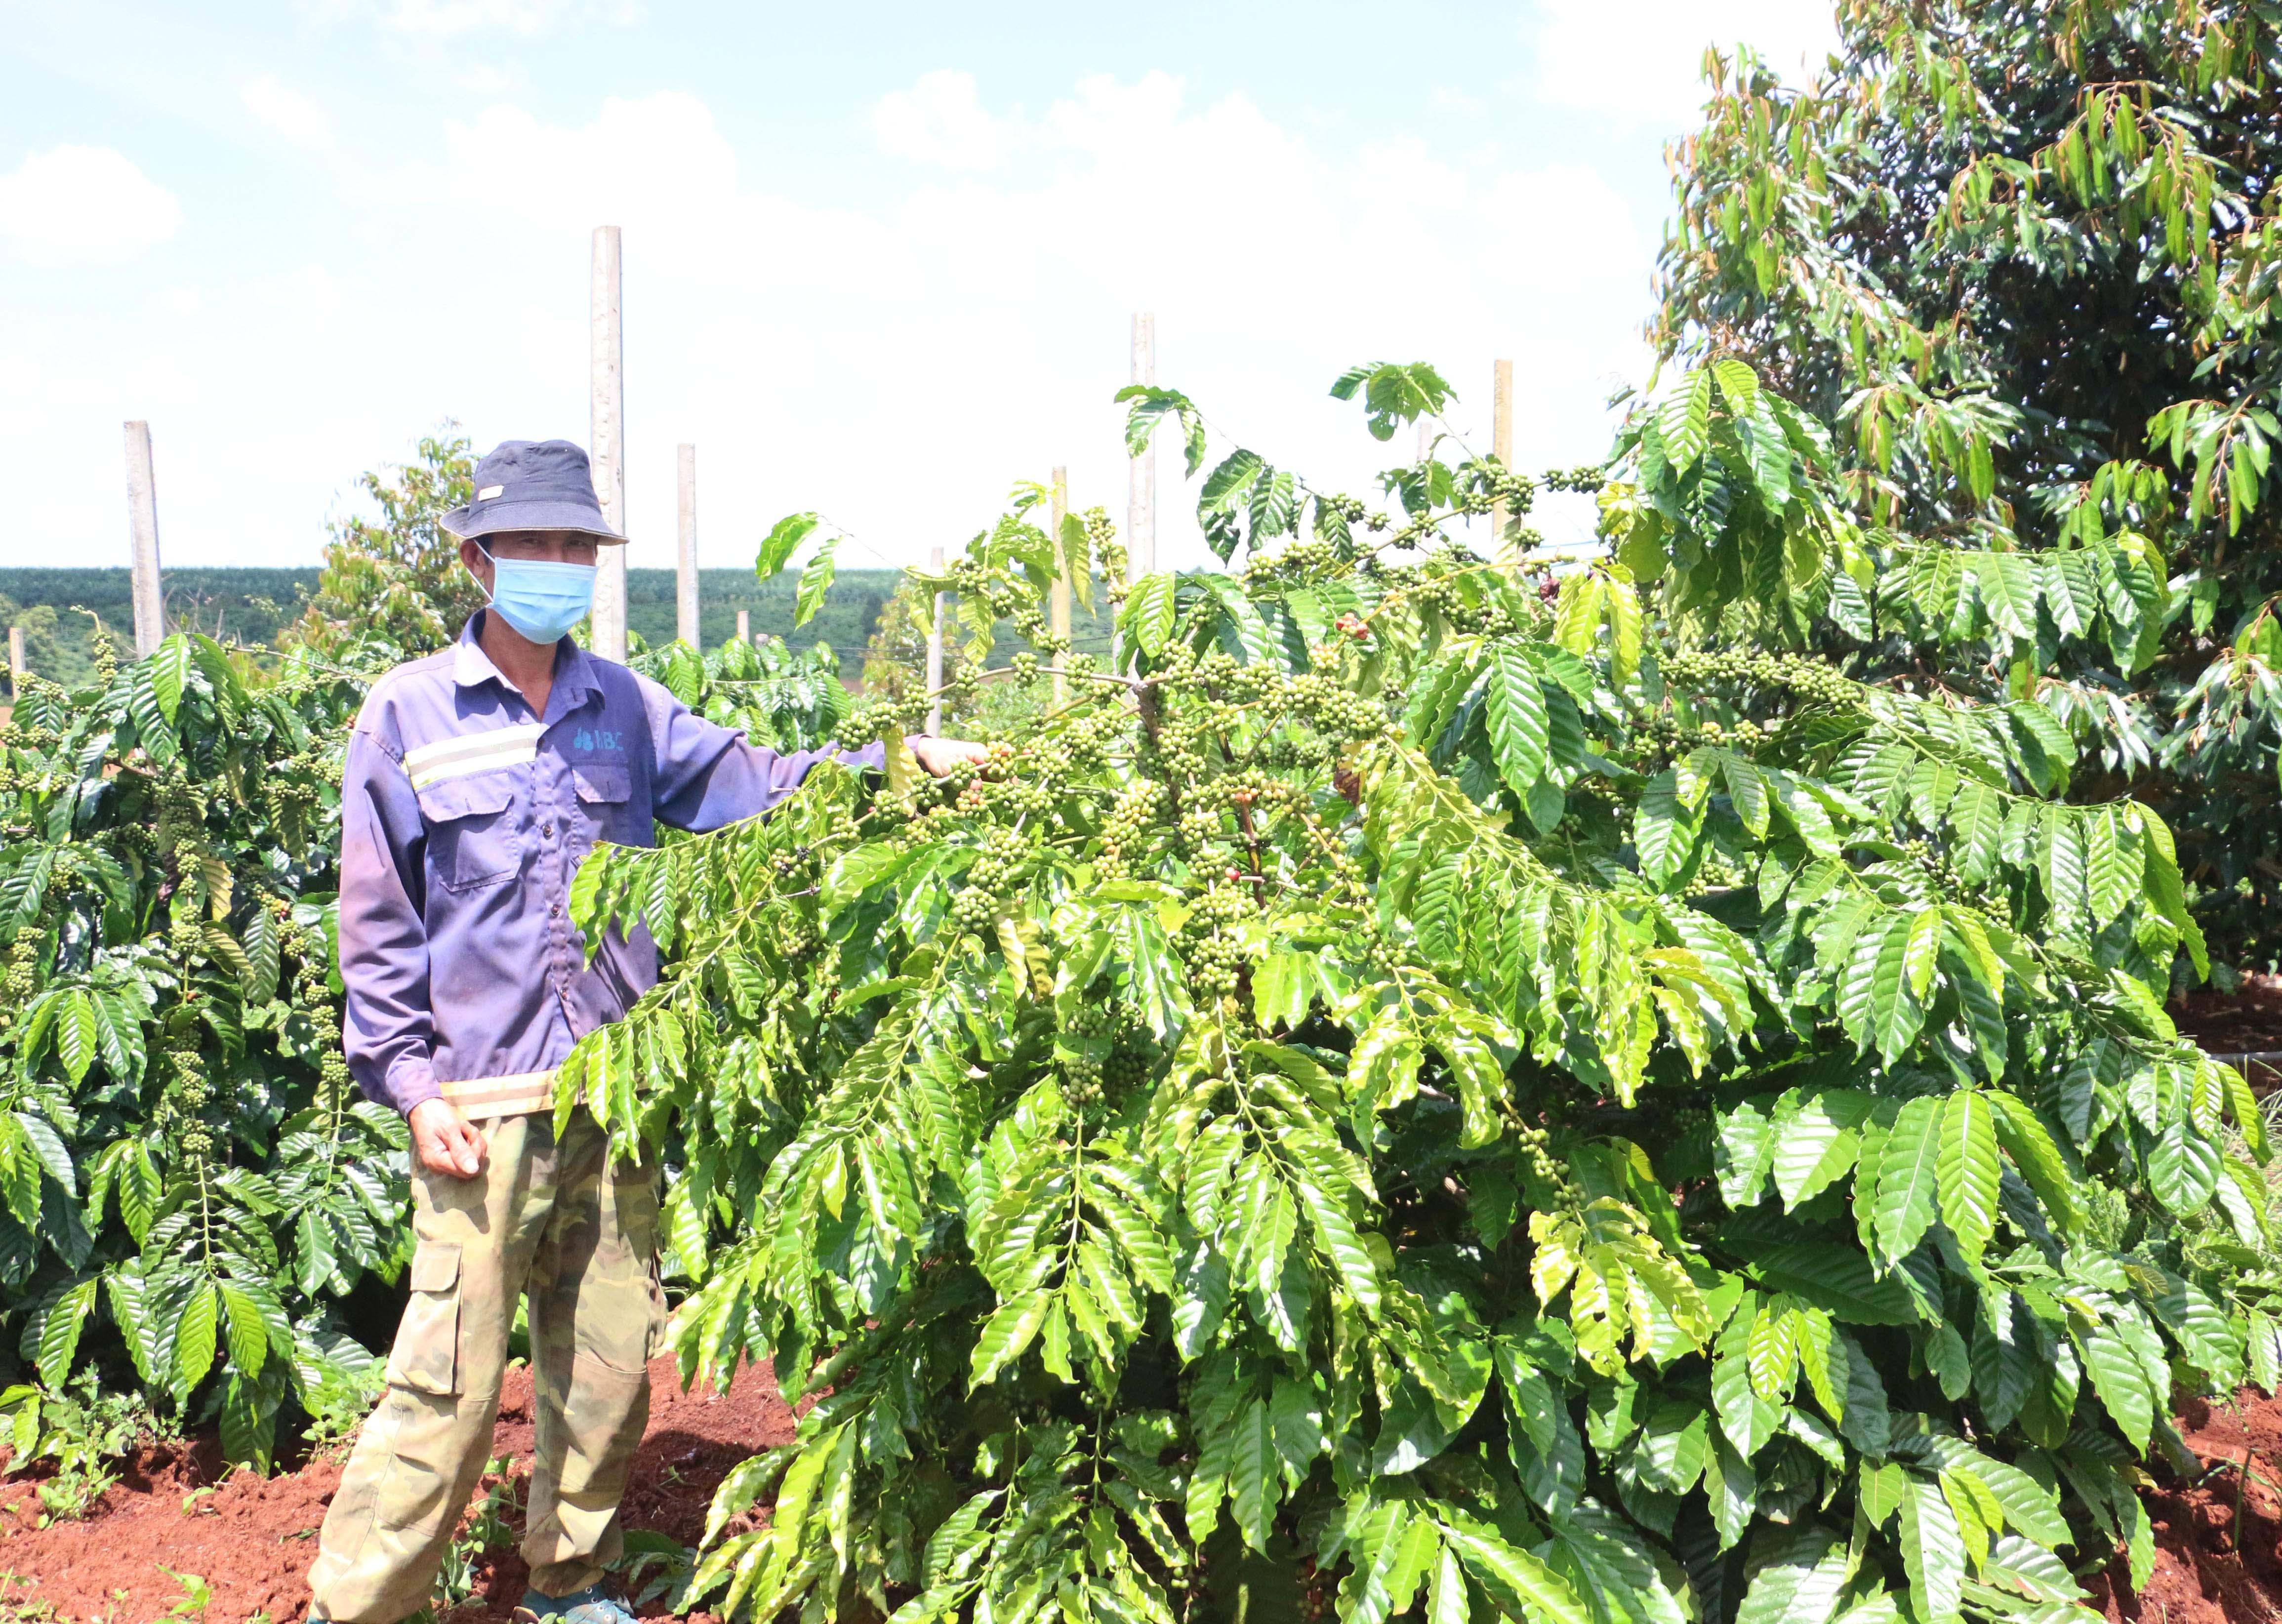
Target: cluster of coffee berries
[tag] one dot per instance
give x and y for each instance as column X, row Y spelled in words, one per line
column 1333, row 708
column 1669, row 731
column 310, row 996
column 973, row 910
column 1101, row 540
column 1181, row 739
column 1951, row 887
column 1716, row 873
column 1127, row 826
column 1103, row 1048
column 1499, row 484
column 1429, row 589
column 795, row 867
column 1300, row 561
column 1536, row 1147
column 23, row 972
column 1666, row 736
column 291, row 798
column 1128, row 1067
column 993, row 878
column 182, row 820
column 1212, row 955
column 189, row 1087
column 1248, row 787
column 1807, row 678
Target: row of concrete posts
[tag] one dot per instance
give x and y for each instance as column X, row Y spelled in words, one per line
column 607, row 447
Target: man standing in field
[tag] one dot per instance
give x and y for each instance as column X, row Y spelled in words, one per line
column 476, row 780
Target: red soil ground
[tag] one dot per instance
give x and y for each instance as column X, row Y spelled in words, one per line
column 2247, row 1022
column 2218, row 1533
column 253, row 1540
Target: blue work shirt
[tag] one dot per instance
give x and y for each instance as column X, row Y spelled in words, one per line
column 463, row 818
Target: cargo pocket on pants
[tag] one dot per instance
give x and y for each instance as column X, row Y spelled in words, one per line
column 658, row 1316
column 426, row 1357
column 639, row 1223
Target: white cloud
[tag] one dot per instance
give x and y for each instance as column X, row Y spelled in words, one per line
column 485, row 80
column 894, row 358
column 660, row 156
column 941, row 120
column 1644, row 58
column 289, row 112
column 809, row 339
column 84, row 205
column 447, row 19
column 308, row 295
column 453, row 17
column 1403, row 174
column 444, row 19
column 23, row 404
column 132, row 389
column 1561, row 228
column 659, row 168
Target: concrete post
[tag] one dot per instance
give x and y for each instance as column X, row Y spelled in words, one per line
column 1059, row 603
column 684, row 582
column 609, row 451
column 1501, row 442
column 143, row 520
column 15, row 661
column 744, row 625
column 1141, row 500
column 935, row 648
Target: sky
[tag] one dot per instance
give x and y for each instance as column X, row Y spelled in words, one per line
column 880, row 261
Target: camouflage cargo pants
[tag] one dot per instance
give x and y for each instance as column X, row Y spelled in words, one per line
column 554, row 1221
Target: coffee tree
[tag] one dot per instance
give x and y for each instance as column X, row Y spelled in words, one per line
column 1424, row 1085
column 2023, row 254
column 189, row 1180
column 394, row 588
column 776, row 695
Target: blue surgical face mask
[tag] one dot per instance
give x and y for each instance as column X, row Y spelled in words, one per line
column 541, row 600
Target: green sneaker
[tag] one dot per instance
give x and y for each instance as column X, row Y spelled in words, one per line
column 590, row 1605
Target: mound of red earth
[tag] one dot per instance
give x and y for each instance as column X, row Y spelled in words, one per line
column 251, row 1539
column 2248, row 1021
column 2218, row 1530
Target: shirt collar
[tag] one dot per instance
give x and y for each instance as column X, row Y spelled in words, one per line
column 574, row 670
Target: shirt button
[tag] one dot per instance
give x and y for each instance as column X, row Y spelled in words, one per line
column 553, row 908
column 547, row 829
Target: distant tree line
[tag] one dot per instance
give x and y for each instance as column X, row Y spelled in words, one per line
column 252, row 606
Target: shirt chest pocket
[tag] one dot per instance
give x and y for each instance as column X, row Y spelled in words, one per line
column 475, row 836
column 605, row 792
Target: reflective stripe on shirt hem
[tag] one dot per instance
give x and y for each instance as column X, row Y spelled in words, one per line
column 520, row 1095
column 475, row 753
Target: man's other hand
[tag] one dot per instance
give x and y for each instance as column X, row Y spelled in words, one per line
column 940, row 756
column 444, row 1141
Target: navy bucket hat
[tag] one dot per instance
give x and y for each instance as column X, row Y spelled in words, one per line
column 531, row 484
